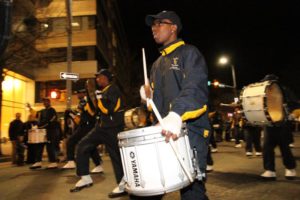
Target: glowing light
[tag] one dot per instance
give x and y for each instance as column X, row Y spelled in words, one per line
column 223, row 60
column 53, row 94
column 7, row 84
column 216, row 83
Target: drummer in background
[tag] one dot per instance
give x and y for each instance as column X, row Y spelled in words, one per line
column 236, row 126
column 278, row 135
column 109, row 124
column 86, row 124
column 179, row 84
column 47, row 120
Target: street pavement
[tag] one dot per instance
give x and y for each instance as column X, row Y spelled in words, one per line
column 235, row 177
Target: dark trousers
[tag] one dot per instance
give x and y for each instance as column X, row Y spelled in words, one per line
column 277, row 136
column 219, row 135
column 238, row 134
column 209, row 157
column 195, row 191
column 96, row 136
column 31, row 151
column 51, row 145
column 228, row 132
column 50, row 151
column 212, row 140
column 252, row 136
column 17, row 152
column 73, row 140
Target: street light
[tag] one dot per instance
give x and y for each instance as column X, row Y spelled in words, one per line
column 224, row 61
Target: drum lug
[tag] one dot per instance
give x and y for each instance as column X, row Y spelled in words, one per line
column 199, row 175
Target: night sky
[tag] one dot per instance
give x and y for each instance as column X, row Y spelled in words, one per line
column 261, row 37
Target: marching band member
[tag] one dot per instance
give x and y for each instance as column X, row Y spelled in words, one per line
column 110, row 123
column 86, row 124
column 278, row 135
column 179, row 84
column 47, row 120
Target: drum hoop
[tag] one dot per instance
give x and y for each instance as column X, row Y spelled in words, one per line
column 141, row 132
column 156, row 191
column 267, row 114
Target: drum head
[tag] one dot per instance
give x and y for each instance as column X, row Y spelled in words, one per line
column 275, row 102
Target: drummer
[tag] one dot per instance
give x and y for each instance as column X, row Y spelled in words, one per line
column 86, row 124
column 110, row 123
column 47, row 119
column 179, row 87
column 277, row 135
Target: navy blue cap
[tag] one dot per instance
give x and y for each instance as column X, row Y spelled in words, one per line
column 106, row 73
column 170, row 15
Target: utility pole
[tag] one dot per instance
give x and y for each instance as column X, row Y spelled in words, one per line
column 69, row 51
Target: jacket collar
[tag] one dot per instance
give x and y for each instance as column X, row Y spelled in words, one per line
column 165, row 50
column 106, row 88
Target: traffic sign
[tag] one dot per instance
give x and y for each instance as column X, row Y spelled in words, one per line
column 69, row 76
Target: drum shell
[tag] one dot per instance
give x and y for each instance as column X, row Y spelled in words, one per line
column 149, row 163
column 262, row 103
column 36, row 136
column 135, row 118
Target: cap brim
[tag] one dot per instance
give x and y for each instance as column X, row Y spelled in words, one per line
column 150, row 18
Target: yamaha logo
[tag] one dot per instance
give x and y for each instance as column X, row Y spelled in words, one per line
column 132, row 155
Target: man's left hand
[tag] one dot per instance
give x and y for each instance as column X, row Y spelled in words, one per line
column 172, row 124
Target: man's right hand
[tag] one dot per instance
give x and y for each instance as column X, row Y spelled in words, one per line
column 146, row 92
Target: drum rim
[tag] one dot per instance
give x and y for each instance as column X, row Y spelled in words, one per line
column 139, row 132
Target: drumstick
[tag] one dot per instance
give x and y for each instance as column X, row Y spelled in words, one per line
column 145, row 67
column 171, row 141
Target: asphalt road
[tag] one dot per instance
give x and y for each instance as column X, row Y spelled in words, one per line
column 235, row 177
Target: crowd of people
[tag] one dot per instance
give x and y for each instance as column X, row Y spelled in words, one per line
column 178, row 87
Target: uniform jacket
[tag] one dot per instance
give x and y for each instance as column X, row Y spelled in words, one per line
column 111, row 108
column 87, row 115
column 179, row 83
column 47, row 118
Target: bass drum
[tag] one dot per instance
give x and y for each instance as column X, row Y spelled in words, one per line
column 262, row 103
column 135, row 118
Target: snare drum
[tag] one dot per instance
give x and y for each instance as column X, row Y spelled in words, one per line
column 149, row 163
column 37, row 136
column 135, row 117
column 262, row 103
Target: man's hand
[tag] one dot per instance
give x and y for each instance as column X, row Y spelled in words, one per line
column 172, row 124
column 146, row 92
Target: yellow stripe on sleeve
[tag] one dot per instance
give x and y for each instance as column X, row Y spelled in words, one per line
column 89, row 110
column 118, row 105
column 102, row 108
column 193, row 114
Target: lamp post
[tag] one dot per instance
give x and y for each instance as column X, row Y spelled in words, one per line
column 225, row 61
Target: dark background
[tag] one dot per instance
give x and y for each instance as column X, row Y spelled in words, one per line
column 260, row 37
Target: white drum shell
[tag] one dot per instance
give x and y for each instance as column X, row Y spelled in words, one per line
column 257, row 103
column 36, row 136
column 149, row 163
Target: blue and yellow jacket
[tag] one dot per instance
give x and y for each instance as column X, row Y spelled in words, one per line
column 179, row 83
column 111, row 108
